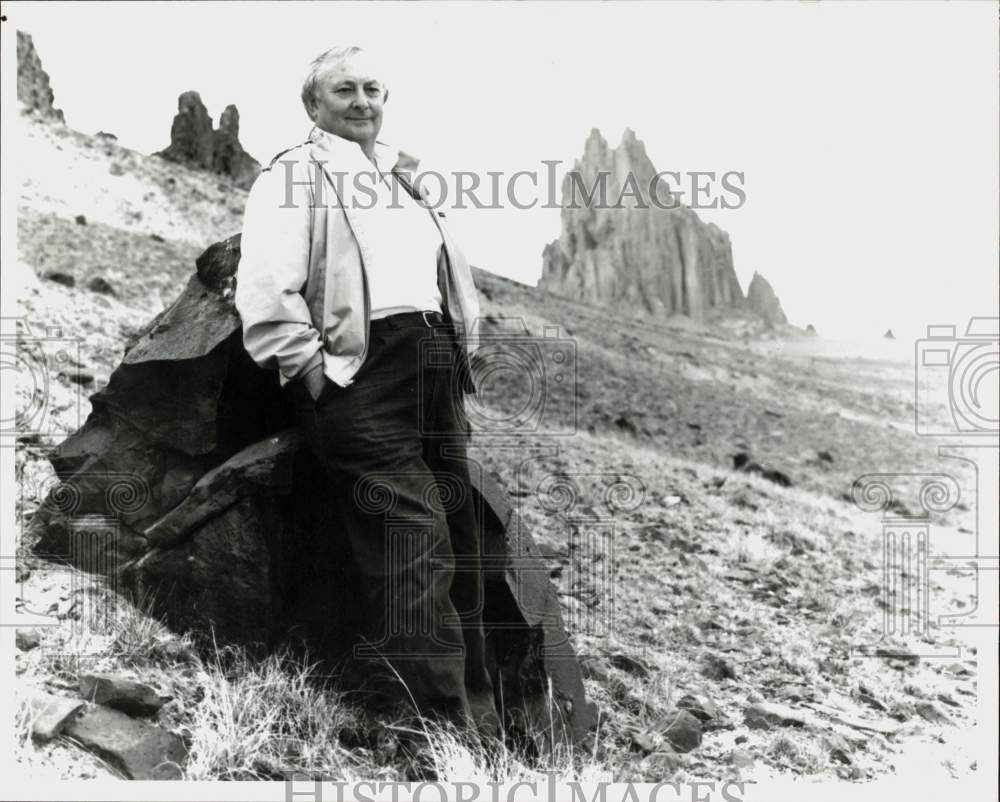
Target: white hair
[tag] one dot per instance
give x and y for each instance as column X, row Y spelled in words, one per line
column 331, row 58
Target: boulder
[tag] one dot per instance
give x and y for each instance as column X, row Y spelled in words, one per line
column 189, row 484
column 50, row 714
column 196, row 144
column 122, row 693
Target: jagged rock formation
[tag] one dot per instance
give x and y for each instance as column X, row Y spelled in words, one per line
column 640, row 259
column 189, row 485
column 762, row 300
column 33, row 89
column 195, row 143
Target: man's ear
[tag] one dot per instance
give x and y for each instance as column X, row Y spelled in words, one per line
column 385, row 99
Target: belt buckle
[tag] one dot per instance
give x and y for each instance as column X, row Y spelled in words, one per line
column 424, row 315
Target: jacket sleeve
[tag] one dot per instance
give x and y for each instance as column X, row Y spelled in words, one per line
column 278, row 331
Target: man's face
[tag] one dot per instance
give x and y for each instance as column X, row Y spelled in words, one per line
column 348, row 100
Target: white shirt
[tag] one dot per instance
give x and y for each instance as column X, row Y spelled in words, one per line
column 402, row 264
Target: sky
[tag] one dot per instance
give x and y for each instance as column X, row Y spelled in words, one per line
column 867, row 133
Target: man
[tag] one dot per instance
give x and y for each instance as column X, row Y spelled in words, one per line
column 347, row 285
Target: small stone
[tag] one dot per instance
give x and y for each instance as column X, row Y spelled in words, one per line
column 141, row 750
column 630, row 665
column 741, row 759
column 116, row 169
column 929, row 711
column 718, row 668
column 594, row 668
column 80, row 220
column 838, row 747
column 700, row 706
column 26, row 639
column 79, row 376
column 121, row 693
column 61, row 278
column 898, row 654
column 682, row 730
column 824, row 456
column 766, row 715
column 101, row 285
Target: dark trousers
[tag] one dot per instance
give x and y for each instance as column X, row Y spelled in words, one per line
column 394, row 448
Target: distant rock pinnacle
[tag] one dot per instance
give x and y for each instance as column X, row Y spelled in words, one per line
column 639, row 258
column 194, row 143
column 33, row 89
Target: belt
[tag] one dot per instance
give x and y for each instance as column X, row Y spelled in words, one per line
column 407, row 320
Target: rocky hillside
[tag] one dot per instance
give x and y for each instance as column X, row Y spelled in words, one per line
column 725, row 611
column 196, row 144
column 641, row 259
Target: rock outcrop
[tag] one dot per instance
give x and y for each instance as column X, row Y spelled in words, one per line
column 188, row 485
column 196, row 144
column 33, row 88
column 651, row 256
column 762, row 300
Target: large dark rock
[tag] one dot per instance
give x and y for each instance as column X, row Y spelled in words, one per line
column 195, row 143
column 762, row 300
column 190, row 485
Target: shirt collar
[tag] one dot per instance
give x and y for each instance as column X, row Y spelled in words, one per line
column 344, row 150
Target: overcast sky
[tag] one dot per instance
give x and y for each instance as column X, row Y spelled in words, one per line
column 867, row 132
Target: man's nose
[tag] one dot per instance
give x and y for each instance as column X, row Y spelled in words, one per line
column 360, row 100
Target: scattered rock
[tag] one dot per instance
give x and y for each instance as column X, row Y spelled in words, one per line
column 116, row 169
column 898, row 654
column 718, row 668
column 889, row 335
column 810, row 330
column 49, row 714
column 81, row 220
column 741, row 759
column 839, row 747
column 743, row 462
column 27, row 639
column 929, row 711
column 662, row 765
column 121, row 693
column 140, row 750
column 682, row 730
column 101, row 285
column 767, row 715
column 107, row 137
column 824, row 456
column 78, row 376
column 701, row 707
column 629, row 665
column 156, row 238
column 61, row 278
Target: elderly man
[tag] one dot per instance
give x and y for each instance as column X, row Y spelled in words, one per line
column 350, row 287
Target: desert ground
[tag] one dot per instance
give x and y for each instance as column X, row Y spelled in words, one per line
column 706, row 581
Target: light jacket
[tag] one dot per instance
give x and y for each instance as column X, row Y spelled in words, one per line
column 301, row 287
